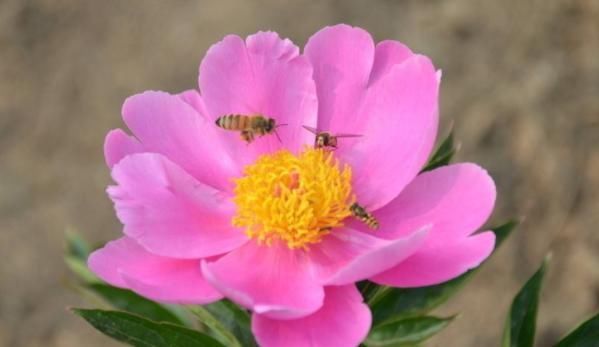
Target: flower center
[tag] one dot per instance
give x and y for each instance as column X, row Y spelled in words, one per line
column 294, row 199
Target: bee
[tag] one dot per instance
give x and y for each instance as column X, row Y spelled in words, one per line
column 248, row 126
column 325, row 139
column 360, row 213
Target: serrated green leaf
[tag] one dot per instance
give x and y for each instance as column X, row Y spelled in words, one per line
column 406, row 332
column 520, row 326
column 218, row 329
column 140, row 332
column 235, row 319
column 585, row 335
column 443, row 154
column 129, row 301
column 394, row 303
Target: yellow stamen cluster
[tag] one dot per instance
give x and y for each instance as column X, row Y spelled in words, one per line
column 294, row 199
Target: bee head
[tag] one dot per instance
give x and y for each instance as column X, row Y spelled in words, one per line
column 320, row 140
column 270, row 125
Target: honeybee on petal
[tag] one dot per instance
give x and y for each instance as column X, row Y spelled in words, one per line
column 360, row 213
column 249, row 127
column 325, row 139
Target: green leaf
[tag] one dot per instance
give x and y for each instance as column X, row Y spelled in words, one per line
column 141, row 332
column 234, row 319
column 79, row 268
column 129, row 301
column 218, row 328
column 406, row 332
column 585, row 335
column 443, row 154
column 520, row 325
column 394, row 303
column 368, row 289
column 77, row 247
column 76, row 253
column 503, row 231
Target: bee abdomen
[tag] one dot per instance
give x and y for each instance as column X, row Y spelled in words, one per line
column 364, row 216
column 233, row 122
column 371, row 222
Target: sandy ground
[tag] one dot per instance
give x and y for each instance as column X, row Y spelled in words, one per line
column 520, row 80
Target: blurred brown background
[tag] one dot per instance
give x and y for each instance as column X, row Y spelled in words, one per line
column 520, row 80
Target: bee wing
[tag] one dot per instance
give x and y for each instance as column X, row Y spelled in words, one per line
column 310, row 129
column 348, row 135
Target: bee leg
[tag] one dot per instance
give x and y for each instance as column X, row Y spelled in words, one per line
column 278, row 137
column 247, row 136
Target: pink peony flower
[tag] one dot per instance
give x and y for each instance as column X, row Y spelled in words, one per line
column 267, row 224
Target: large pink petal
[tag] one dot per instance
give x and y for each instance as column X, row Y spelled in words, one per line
column 391, row 100
column 343, row 321
column 271, row 280
column 118, row 145
column 263, row 75
column 438, row 263
column 342, row 57
column 169, row 212
column 455, row 199
column 126, row 264
column 399, row 132
column 168, row 125
column 347, row 256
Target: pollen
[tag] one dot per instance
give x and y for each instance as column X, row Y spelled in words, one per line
column 296, row 199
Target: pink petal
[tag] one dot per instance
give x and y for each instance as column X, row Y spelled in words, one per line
column 271, row 280
column 192, row 98
column 118, row 145
column 167, row 125
column 390, row 100
column 263, row 75
column 343, row 321
column 399, row 132
column 342, row 57
column 456, row 199
column 434, row 264
column 124, row 263
column 169, row 212
column 347, row 256
column 388, row 54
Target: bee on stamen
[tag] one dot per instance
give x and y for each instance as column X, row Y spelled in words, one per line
column 364, row 216
column 249, row 127
column 325, row 139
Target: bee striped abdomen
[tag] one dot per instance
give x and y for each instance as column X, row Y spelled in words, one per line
column 364, row 216
column 233, row 122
